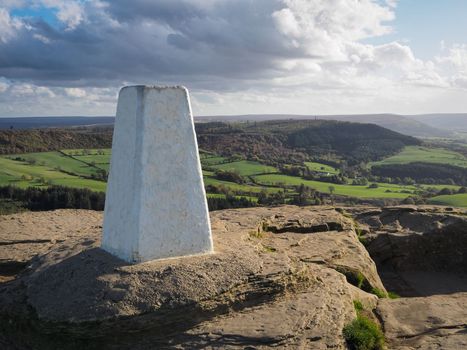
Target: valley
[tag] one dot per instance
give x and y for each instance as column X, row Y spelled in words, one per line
column 272, row 162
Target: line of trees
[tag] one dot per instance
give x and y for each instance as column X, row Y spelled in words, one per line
column 427, row 173
column 54, row 197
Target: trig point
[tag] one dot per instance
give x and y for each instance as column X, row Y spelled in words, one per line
column 156, row 205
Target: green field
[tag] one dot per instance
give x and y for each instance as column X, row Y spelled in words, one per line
column 97, row 158
column 208, row 180
column 75, row 167
column 412, row 154
column 344, row 190
column 319, row 167
column 59, row 161
column 23, row 174
column 212, row 160
column 80, row 151
column 245, row 168
column 220, row 195
column 455, row 200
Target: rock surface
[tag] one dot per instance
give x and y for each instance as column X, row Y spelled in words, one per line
column 281, row 277
column 435, row 322
column 419, row 251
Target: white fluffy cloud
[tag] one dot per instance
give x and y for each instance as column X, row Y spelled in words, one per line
column 237, row 56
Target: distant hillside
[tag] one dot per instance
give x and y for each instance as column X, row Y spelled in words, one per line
column 286, row 141
column 394, row 122
column 398, row 123
column 429, row 125
column 52, row 122
column 23, row 141
column 423, row 172
column 455, row 122
column 293, row 141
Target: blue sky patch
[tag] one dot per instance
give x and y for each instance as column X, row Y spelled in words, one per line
column 48, row 15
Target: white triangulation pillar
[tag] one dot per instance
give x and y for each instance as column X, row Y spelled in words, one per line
column 156, row 205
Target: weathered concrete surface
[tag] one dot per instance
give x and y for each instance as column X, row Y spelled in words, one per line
column 156, row 205
column 259, row 289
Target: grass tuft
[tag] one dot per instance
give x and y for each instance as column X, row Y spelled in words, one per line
column 363, row 334
column 392, row 295
column 378, row 292
column 357, row 304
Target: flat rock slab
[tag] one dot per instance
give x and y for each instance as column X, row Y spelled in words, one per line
column 277, row 280
column 419, row 251
column 259, row 288
column 435, row 322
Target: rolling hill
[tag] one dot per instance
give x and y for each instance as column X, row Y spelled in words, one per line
column 401, row 124
column 52, row 122
column 455, row 122
column 293, row 141
column 443, row 125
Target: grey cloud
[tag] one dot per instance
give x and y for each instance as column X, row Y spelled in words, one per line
column 182, row 41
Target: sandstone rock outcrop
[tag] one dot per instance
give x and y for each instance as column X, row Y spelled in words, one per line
column 435, row 322
column 282, row 277
column 274, row 280
column 419, row 251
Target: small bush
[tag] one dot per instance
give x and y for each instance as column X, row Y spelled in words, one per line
column 363, row 334
column 392, row 295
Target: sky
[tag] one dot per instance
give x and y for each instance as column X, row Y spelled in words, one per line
column 71, row 57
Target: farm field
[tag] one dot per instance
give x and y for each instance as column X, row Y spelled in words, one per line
column 455, row 200
column 57, row 160
column 208, row 180
column 344, row 190
column 74, row 168
column 23, row 174
column 208, row 160
column 245, row 168
column 98, row 158
column 412, row 154
column 319, row 167
column 220, row 195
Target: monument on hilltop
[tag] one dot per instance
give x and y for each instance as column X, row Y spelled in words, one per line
column 156, row 205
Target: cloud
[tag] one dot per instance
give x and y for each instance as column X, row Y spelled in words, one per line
column 75, row 92
column 4, row 84
column 8, row 26
column 69, row 12
column 250, row 51
column 20, row 99
column 392, row 3
column 204, row 43
column 7, row 4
